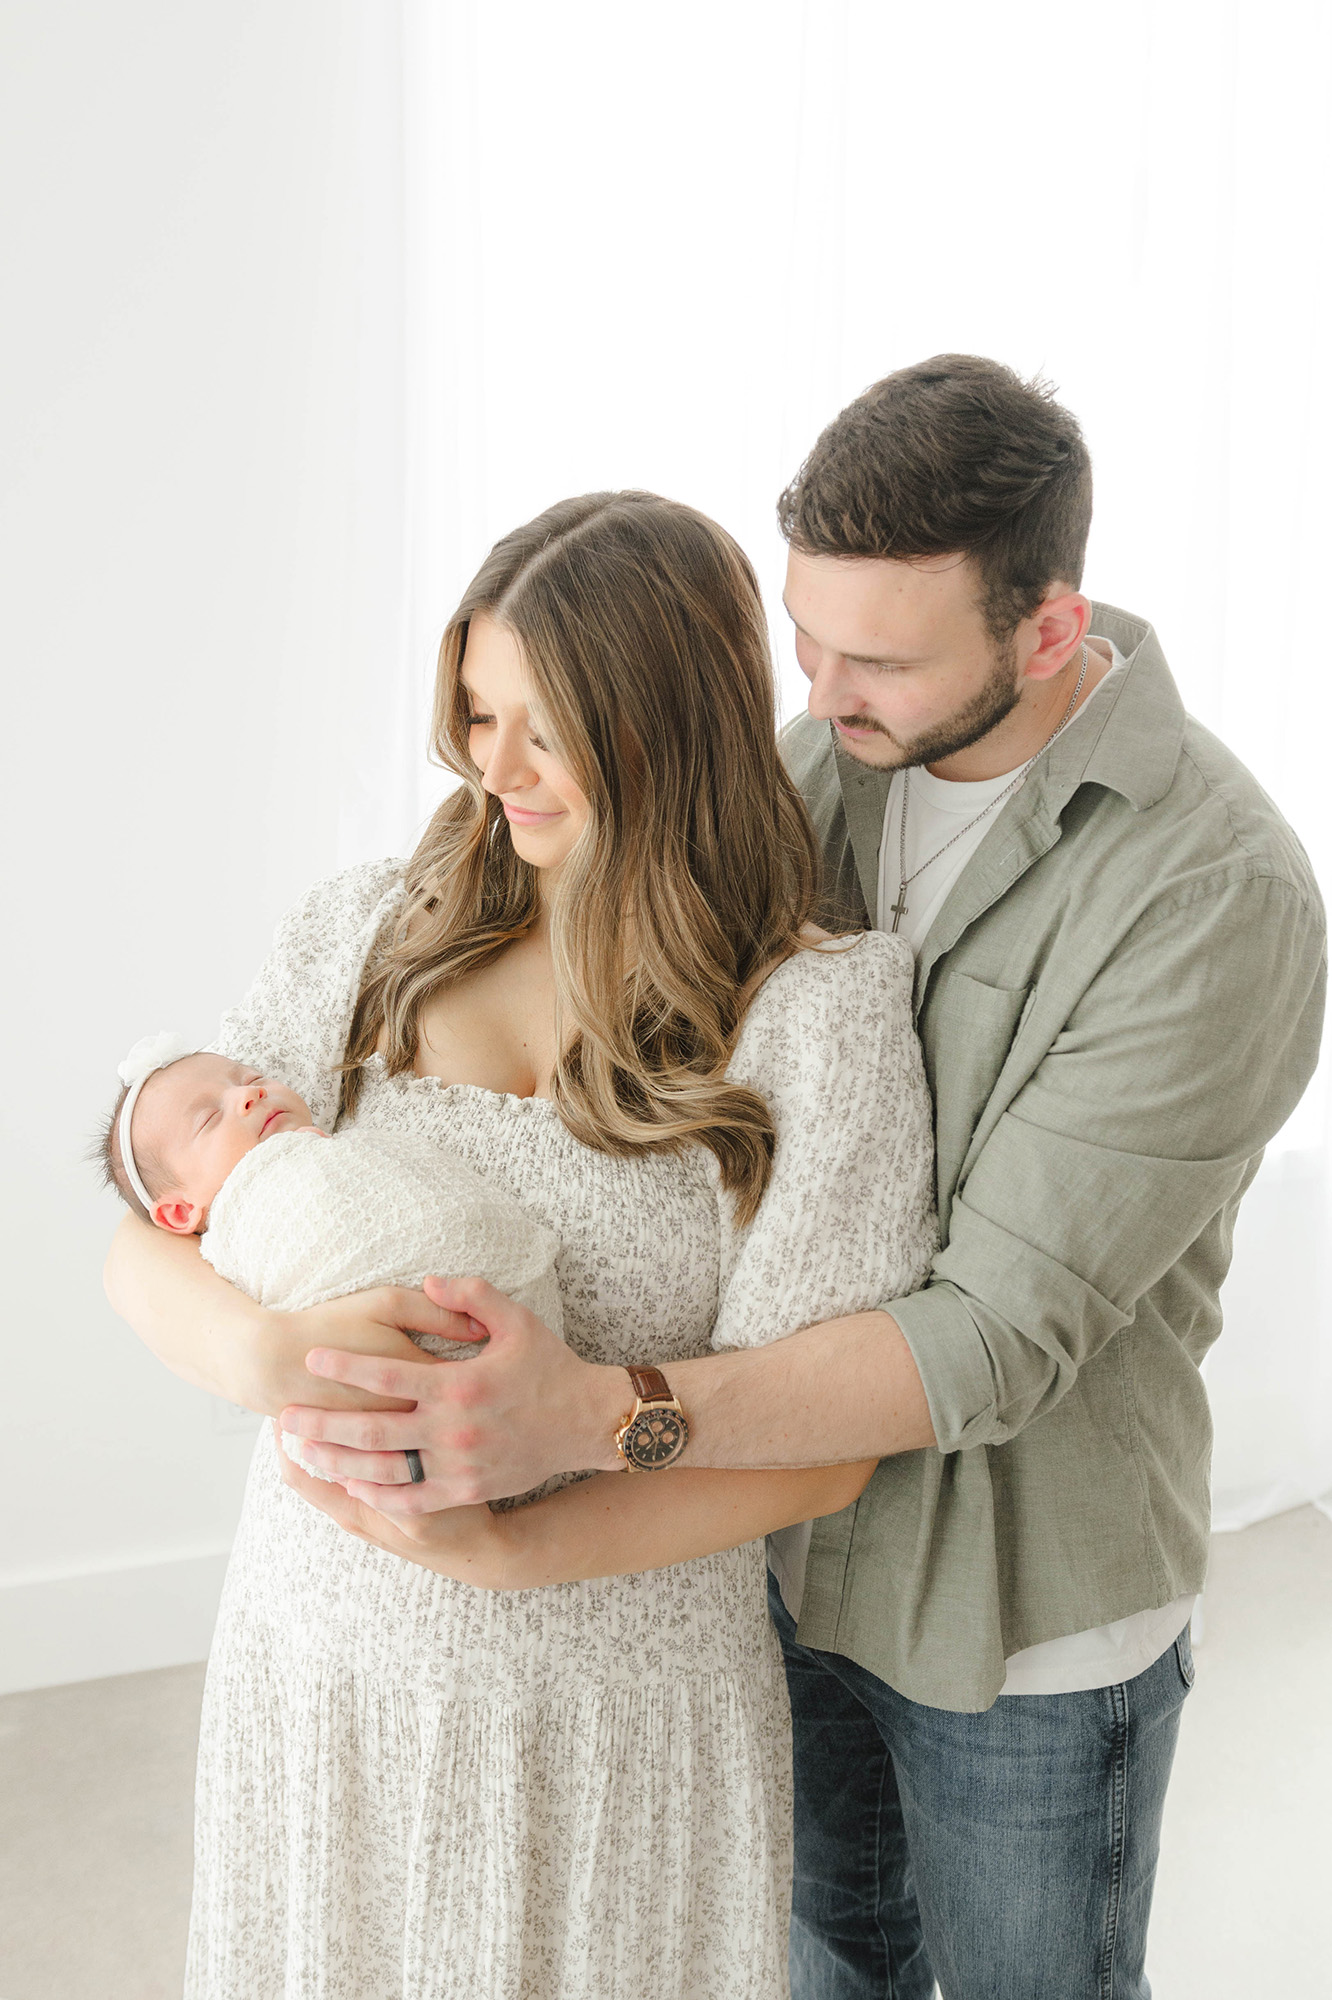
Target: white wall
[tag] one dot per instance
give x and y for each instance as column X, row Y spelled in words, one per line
column 194, row 338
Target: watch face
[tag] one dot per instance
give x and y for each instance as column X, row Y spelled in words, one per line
column 655, row 1437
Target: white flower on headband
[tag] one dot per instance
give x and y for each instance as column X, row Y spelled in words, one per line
column 152, row 1052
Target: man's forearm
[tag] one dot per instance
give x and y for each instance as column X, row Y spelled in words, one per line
column 843, row 1390
column 529, row 1406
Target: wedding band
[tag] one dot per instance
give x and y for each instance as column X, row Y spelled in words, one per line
column 414, row 1466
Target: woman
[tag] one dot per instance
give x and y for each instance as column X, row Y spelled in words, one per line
column 597, row 980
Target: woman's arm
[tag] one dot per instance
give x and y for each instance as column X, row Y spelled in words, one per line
column 610, row 1525
column 213, row 1335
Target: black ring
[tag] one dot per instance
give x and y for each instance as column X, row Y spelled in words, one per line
column 415, row 1467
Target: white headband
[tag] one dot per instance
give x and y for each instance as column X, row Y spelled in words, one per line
column 150, row 1052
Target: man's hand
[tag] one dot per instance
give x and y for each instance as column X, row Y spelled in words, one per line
column 526, row 1408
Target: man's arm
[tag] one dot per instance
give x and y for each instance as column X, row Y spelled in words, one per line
column 1139, row 1126
column 845, row 1390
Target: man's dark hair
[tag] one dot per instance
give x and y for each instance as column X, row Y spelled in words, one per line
column 957, row 455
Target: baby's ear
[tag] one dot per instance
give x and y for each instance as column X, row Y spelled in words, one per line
column 182, row 1218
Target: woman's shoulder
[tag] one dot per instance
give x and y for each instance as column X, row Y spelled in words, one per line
column 829, row 999
column 836, row 971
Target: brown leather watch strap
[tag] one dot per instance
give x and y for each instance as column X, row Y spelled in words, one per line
column 650, row 1385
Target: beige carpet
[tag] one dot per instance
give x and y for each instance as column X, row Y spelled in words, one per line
column 95, row 1785
column 95, row 1837
column 1244, row 1892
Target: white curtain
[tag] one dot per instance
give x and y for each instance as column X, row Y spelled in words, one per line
column 662, row 247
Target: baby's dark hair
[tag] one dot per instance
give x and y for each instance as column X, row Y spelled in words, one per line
column 105, row 1153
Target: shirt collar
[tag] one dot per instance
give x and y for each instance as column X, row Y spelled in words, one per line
column 1130, row 741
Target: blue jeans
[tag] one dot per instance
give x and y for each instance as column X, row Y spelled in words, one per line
column 1009, row 1855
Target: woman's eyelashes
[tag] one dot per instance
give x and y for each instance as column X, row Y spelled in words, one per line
column 488, row 722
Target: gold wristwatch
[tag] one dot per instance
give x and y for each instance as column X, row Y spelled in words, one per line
column 656, row 1431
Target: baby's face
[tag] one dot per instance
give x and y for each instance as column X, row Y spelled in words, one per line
column 198, row 1118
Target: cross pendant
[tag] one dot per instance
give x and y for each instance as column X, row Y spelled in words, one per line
column 899, row 907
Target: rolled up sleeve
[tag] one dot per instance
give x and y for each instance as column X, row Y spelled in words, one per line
column 1140, row 1122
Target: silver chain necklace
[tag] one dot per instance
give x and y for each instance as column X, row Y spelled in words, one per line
column 905, row 880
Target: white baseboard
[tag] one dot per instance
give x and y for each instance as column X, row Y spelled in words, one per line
column 108, row 1621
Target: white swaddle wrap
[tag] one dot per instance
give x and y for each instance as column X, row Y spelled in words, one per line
column 303, row 1218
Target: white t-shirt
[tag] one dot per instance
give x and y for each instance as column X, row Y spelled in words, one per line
column 938, row 810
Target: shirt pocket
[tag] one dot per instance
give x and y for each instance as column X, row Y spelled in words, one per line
column 977, row 1026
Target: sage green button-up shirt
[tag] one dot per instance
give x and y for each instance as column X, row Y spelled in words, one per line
column 1120, row 1002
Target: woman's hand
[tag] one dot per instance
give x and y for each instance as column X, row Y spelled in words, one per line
column 466, row 1543
column 211, row 1334
column 371, row 1325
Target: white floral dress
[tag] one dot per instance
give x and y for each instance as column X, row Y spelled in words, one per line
column 412, row 1789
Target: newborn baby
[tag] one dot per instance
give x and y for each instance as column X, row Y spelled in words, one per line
column 200, row 1145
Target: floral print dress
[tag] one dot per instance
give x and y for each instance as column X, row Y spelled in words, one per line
column 413, row 1789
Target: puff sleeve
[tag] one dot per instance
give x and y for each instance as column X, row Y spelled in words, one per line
column 847, row 1220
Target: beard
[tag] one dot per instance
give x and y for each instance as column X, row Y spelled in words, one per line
column 986, row 709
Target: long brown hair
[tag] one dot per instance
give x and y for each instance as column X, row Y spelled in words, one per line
column 645, row 648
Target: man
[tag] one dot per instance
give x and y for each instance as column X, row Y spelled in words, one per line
column 1120, row 967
